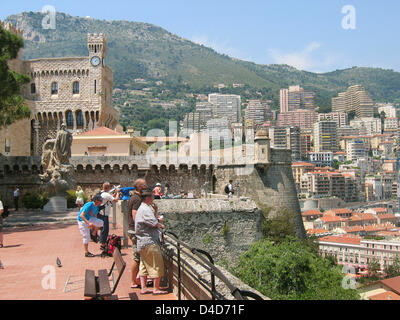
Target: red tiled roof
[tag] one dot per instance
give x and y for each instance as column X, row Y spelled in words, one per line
column 300, row 164
column 329, row 218
column 388, row 295
column 387, row 216
column 392, row 283
column 342, row 239
column 101, row 131
column 311, row 212
column 342, row 210
column 317, row 231
column 379, row 209
column 353, row 229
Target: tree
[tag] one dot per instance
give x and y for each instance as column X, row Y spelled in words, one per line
column 291, row 270
column 12, row 107
column 373, row 267
column 393, row 270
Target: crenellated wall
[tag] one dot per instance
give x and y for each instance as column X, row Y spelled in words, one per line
column 270, row 185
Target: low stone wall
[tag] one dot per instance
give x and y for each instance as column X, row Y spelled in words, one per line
column 225, row 228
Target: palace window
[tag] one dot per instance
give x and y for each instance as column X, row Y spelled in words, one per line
column 79, row 119
column 54, row 88
column 75, row 87
column 33, row 88
column 70, row 119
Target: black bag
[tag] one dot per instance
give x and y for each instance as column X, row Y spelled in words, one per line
column 227, row 189
column 5, row 213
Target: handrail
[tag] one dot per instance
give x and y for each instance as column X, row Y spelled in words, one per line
column 207, row 262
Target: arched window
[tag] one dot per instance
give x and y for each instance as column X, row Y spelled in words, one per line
column 33, row 88
column 75, row 87
column 79, row 119
column 54, row 88
column 70, row 119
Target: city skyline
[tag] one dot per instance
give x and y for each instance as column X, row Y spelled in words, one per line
column 310, row 36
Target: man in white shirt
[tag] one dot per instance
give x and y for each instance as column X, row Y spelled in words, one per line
column 230, row 187
column 16, row 198
column 108, row 200
column 1, row 224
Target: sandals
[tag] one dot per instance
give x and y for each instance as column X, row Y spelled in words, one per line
column 159, row 292
column 146, row 292
column 89, row 255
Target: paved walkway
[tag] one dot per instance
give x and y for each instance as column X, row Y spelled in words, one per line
column 29, row 258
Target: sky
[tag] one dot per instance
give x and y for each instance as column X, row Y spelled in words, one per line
column 311, row 35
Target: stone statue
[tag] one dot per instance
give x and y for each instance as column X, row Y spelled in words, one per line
column 62, row 148
column 58, row 173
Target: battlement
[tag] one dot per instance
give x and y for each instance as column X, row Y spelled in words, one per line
column 10, row 27
column 96, row 37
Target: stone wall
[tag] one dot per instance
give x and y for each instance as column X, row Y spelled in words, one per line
column 224, row 228
column 271, row 186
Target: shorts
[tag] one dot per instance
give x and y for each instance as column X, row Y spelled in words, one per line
column 151, row 262
column 84, row 228
column 79, row 201
column 135, row 254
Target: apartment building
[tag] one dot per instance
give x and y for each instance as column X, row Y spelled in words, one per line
column 341, row 118
column 258, row 111
column 325, row 136
column 355, row 99
column 304, row 119
column 286, row 138
column 357, row 252
column 296, row 98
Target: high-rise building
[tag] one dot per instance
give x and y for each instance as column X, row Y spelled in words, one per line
column 356, row 99
column 286, row 138
column 303, row 119
column 341, row 118
column 325, row 136
column 296, row 98
column 257, row 111
column 226, row 106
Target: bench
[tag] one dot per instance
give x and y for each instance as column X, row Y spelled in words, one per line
column 98, row 287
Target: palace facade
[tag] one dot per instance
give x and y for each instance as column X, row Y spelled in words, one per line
column 73, row 90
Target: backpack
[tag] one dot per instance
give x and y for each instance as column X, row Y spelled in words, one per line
column 113, row 241
column 227, row 189
column 5, row 213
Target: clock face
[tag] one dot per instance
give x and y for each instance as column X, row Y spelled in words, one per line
column 95, row 61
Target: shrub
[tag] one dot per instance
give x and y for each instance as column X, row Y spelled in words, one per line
column 34, row 200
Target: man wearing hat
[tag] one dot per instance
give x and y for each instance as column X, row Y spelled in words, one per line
column 87, row 220
column 147, row 232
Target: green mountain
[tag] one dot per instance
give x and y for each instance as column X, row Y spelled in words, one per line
column 142, row 50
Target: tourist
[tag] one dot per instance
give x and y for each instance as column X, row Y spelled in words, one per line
column 104, row 214
column 87, row 220
column 1, row 224
column 157, row 191
column 16, row 198
column 133, row 205
column 230, row 188
column 148, row 244
column 79, row 197
column 166, row 191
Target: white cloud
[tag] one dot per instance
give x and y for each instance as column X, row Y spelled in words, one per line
column 220, row 46
column 307, row 59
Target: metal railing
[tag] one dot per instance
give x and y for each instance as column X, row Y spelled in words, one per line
column 201, row 258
